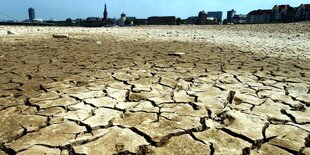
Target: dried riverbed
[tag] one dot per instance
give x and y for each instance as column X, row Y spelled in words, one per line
column 155, row 90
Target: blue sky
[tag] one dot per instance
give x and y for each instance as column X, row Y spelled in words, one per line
column 62, row 9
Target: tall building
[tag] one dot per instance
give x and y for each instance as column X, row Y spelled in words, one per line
column 31, row 13
column 216, row 14
column 230, row 15
column 105, row 13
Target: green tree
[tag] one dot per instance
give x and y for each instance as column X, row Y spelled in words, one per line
column 127, row 22
column 79, row 22
column 69, row 22
column 179, row 21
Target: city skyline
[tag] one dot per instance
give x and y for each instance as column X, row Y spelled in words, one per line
column 56, row 9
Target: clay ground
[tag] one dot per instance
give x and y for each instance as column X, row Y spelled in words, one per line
column 156, row 90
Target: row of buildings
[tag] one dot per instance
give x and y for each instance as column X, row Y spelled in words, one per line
column 280, row 13
column 204, row 18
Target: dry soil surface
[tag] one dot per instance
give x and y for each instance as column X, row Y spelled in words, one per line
column 155, row 90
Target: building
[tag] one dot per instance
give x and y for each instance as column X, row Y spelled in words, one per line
column 163, row 20
column 258, row 17
column 93, row 22
column 230, row 16
column 31, row 14
column 105, row 13
column 239, row 19
column 110, row 22
column 37, row 20
column 191, row 20
column 282, row 14
column 212, row 21
column 122, row 20
column 202, row 18
column 130, row 20
column 216, row 14
column 140, row 21
column 303, row 12
column 93, row 19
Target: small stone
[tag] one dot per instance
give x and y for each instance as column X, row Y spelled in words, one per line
column 11, row 33
column 99, row 42
column 177, row 54
column 60, row 36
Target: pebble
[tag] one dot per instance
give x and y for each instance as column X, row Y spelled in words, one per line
column 177, row 54
column 60, row 36
column 11, row 33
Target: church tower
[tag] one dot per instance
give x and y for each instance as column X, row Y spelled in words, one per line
column 105, row 13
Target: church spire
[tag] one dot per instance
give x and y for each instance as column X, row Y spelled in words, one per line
column 105, row 13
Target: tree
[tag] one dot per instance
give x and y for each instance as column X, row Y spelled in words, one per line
column 127, row 22
column 69, row 22
column 179, row 21
column 79, row 22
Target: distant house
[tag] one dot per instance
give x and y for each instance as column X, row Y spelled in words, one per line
column 202, row 18
column 140, row 21
column 93, row 19
column 282, row 14
column 259, row 17
column 110, row 22
column 93, row 22
column 239, row 19
column 216, row 14
column 212, row 21
column 163, row 20
column 130, row 20
column 303, row 12
column 191, row 20
column 38, row 20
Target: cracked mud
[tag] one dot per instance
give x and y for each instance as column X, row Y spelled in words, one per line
column 146, row 91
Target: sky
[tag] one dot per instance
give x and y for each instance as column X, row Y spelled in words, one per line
column 63, row 9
